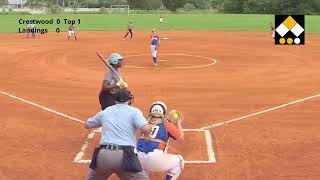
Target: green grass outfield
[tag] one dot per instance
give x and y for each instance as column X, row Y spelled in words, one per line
column 10, row 23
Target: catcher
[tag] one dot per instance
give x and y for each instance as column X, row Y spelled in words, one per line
column 110, row 84
column 151, row 149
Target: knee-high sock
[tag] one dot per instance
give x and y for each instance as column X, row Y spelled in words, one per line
column 126, row 35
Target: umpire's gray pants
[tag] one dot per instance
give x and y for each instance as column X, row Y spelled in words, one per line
column 109, row 162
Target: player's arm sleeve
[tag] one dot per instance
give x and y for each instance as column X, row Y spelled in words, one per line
column 95, row 121
column 138, row 120
column 107, row 85
column 108, row 76
column 173, row 131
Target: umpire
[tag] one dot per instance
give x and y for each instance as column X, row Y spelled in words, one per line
column 117, row 153
column 110, row 84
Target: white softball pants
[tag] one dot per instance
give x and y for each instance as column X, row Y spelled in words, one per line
column 273, row 34
column 159, row 161
column 71, row 32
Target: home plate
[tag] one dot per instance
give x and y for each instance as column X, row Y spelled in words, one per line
column 165, row 38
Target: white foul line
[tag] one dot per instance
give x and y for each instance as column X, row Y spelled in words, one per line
column 43, row 107
column 260, row 112
column 211, row 155
column 84, row 147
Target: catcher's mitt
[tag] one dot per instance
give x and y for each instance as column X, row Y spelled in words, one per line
column 174, row 116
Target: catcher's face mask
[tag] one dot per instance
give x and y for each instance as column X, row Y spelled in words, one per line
column 158, row 109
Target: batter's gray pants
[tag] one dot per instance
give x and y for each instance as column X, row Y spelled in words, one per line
column 108, row 162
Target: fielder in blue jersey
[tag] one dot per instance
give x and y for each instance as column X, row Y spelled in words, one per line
column 155, row 41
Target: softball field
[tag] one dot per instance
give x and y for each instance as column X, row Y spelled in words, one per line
column 251, row 108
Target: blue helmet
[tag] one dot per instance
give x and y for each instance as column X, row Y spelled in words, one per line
column 115, row 58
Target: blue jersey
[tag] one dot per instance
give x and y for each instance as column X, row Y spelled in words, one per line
column 161, row 132
column 155, row 39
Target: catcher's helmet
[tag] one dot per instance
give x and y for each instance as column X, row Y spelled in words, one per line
column 158, row 109
column 115, row 58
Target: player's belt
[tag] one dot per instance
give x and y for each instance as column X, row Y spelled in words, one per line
column 112, row 147
column 154, row 140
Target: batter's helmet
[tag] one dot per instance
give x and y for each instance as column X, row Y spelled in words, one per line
column 158, row 109
column 115, row 58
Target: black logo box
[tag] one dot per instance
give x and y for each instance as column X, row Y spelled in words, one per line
column 300, row 20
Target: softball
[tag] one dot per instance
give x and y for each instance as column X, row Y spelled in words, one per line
column 174, row 116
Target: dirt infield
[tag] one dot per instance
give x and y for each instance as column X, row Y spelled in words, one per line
column 211, row 76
